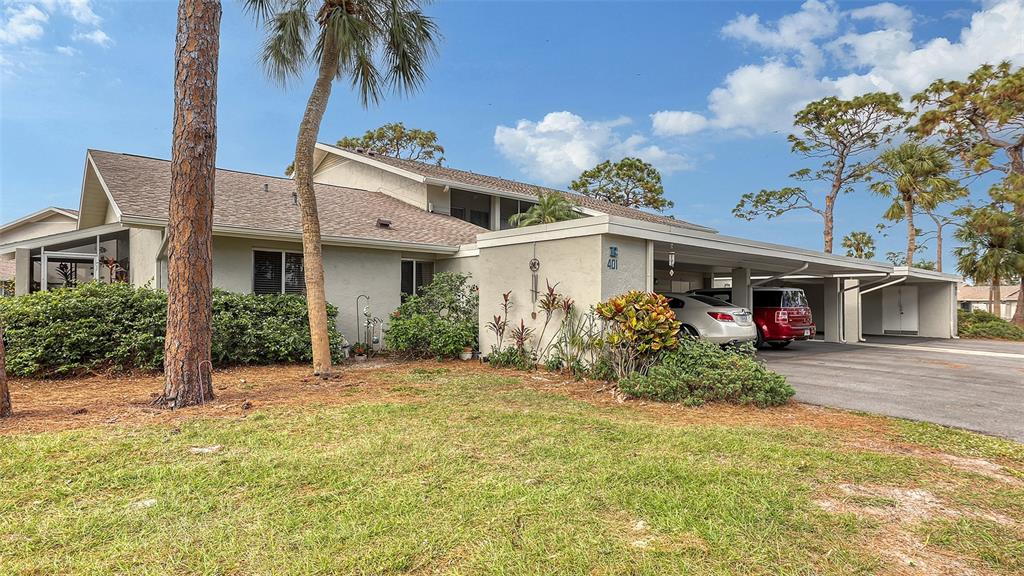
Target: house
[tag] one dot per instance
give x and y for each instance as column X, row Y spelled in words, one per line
column 970, row 298
column 50, row 220
column 389, row 224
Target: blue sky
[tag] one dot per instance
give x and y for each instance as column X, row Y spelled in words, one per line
column 527, row 90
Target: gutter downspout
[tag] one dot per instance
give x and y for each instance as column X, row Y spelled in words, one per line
column 777, row 276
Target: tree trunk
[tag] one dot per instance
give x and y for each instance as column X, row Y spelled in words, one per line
column 312, row 251
column 187, row 366
column 830, row 203
column 938, row 246
column 5, row 392
column 908, row 209
column 1018, row 313
column 995, row 297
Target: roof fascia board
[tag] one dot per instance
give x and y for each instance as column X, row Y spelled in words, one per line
column 103, row 184
column 36, row 216
column 922, row 274
column 542, row 232
column 347, row 241
column 62, row 237
column 653, row 231
column 370, row 161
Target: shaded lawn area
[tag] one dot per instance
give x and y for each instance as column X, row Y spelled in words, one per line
column 431, row 468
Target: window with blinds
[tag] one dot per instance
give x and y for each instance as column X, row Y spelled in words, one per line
column 415, row 275
column 294, row 274
column 275, row 272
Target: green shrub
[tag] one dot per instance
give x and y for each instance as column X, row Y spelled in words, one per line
column 511, row 357
column 700, row 371
column 439, row 321
column 115, row 326
column 982, row 324
column 640, row 326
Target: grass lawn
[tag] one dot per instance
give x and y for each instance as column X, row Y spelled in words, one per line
column 429, row 468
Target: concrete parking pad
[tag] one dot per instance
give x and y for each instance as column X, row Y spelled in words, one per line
column 977, row 385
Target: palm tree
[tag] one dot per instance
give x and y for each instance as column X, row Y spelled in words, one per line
column 374, row 44
column 550, row 207
column 859, row 245
column 992, row 249
column 915, row 175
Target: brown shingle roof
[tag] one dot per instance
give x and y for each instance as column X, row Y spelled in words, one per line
column 141, row 187
column 511, row 186
column 967, row 293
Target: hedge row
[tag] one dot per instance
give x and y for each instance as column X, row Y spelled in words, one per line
column 115, row 326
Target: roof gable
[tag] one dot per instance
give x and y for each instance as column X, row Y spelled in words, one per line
column 140, row 187
column 456, row 178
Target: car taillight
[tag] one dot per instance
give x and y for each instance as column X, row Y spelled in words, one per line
column 721, row 316
column 781, row 316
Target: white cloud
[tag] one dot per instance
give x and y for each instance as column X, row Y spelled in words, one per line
column 66, row 50
column 762, row 97
column 561, row 145
column 888, row 14
column 676, row 123
column 791, row 33
column 97, row 36
column 22, row 23
column 80, row 11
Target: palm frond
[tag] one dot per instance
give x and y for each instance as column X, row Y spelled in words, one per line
column 410, row 42
column 284, row 51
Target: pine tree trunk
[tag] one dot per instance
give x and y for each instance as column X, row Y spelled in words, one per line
column 995, row 297
column 938, row 247
column 5, row 392
column 908, row 210
column 187, row 367
column 312, row 251
column 830, row 203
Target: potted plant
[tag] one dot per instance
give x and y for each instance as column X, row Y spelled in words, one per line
column 359, row 351
column 467, row 353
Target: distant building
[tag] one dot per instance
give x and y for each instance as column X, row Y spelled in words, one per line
column 972, row 298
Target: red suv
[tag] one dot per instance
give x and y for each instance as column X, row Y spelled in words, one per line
column 781, row 314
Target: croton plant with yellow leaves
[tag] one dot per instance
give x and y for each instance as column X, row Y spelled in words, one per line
column 639, row 325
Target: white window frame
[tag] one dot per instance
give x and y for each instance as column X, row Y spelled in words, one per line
column 252, row 265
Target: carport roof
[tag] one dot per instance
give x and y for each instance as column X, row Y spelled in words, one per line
column 698, row 247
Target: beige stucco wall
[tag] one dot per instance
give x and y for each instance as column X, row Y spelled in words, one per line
column 630, row 269
column 574, row 263
column 934, row 306
column 461, row 265
column 53, row 224
column 143, row 246
column 348, row 272
column 440, row 199
column 871, row 312
column 357, row 175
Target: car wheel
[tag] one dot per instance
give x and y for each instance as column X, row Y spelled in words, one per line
column 690, row 331
column 779, row 345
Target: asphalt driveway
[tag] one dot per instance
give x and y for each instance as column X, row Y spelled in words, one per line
column 977, row 385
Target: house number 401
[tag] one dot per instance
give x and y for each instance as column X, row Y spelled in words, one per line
column 613, row 257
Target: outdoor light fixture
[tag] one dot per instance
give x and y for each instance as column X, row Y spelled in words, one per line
column 671, row 263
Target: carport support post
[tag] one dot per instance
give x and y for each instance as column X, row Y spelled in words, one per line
column 851, row 311
column 23, row 271
column 649, row 269
column 833, row 310
column 742, row 293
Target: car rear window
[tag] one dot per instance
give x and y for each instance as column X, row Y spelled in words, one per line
column 709, row 300
column 724, row 295
column 767, row 299
column 675, row 302
column 794, row 299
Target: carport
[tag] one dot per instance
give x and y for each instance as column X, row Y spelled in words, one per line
column 594, row 258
